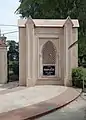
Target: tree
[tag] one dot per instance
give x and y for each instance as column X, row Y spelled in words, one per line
column 58, row 9
column 13, row 58
column 13, row 50
column 53, row 9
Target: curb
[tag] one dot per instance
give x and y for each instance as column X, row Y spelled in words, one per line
column 52, row 110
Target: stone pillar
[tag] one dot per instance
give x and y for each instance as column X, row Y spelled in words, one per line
column 70, row 34
column 30, row 54
column 3, row 60
column 67, row 53
column 22, row 56
column 35, row 58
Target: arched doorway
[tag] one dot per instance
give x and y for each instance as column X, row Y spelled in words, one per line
column 49, row 59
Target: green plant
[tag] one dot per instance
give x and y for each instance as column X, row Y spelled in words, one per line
column 78, row 75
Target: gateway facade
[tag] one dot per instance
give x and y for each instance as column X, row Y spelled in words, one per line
column 45, row 57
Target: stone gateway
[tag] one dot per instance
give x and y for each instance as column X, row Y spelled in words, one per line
column 45, row 57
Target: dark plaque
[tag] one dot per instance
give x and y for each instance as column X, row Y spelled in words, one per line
column 49, row 70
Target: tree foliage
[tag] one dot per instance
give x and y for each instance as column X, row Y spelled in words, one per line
column 13, row 58
column 13, row 50
column 55, row 9
column 78, row 75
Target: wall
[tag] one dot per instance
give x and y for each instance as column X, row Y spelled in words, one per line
column 75, row 48
column 3, row 65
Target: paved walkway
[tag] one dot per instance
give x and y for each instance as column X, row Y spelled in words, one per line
column 21, row 103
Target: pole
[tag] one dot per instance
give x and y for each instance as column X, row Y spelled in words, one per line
column 83, row 84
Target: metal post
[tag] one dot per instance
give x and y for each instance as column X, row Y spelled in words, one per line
column 83, row 84
column 7, row 67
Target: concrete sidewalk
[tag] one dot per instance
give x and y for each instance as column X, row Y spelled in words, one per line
column 21, row 103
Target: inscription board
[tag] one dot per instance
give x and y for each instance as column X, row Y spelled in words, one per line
column 49, row 70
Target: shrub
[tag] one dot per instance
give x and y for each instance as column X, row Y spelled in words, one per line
column 78, row 75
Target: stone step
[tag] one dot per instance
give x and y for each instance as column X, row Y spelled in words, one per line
column 48, row 81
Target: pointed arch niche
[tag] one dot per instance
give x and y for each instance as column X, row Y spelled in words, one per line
column 48, row 60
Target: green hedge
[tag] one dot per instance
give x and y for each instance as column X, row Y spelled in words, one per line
column 78, row 75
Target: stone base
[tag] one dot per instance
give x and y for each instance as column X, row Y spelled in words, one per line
column 49, row 81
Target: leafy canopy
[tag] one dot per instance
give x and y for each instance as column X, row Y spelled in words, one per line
column 58, row 9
